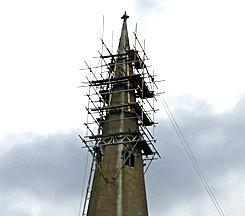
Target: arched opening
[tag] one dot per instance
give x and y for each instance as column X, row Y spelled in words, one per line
column 129, row 159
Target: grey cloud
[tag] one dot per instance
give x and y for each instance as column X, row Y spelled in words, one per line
column 48, row 170
column 46, row 167
column 217, row 141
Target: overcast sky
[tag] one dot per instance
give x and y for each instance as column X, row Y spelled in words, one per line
column 196, row 46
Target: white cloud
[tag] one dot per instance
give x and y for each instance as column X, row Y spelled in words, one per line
column 200, row 50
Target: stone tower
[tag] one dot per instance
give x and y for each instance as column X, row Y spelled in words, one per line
column 118, row 187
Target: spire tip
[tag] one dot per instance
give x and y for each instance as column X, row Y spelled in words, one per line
column 125, row 16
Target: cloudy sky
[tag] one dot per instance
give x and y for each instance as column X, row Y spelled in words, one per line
column 196, row 46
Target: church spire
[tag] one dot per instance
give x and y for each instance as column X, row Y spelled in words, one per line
column 123, row 143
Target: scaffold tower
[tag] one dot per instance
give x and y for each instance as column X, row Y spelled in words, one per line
column 121, row 105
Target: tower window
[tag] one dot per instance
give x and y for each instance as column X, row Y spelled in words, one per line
column 129, row 159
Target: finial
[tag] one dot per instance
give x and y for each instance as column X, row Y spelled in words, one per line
column 125, row 16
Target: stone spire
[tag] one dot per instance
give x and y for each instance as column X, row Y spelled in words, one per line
column 118, row 186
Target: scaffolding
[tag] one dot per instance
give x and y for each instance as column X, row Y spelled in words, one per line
column 100, row 89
